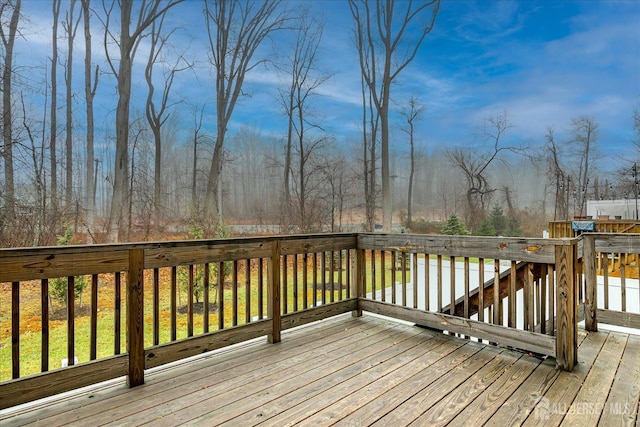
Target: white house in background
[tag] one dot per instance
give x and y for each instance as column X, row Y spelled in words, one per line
column 616, row 209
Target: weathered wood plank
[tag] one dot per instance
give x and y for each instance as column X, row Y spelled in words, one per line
column 525, row 340
column 226, row 365
column 595, row 388
column 564, row 389
column 170, row 352
column 423, row 399
column 619, row 318
column 462, row 396
column 302, row 317
column 520, row 402
column 257, row 384
column 621, row 407
column 617, row 243
column 53, row 382
column 61, row 263
column 511, row 248
column 371, row 410
column 212, row 251
column 307, row 397
column 336, row 406
column 492, row 399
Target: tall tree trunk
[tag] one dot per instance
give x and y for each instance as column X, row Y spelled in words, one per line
column 71, row 27
column 53, row 155
column 8, row 41
column 89, row 93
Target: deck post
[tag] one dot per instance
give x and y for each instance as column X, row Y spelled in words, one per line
column 135, row 317
column 566, row 305
column 591, row 293
column 273, row 293
column 357, row 284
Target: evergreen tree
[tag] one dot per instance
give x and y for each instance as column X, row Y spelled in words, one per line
column 454, row 226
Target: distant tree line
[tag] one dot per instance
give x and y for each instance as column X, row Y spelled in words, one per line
column 158, row 167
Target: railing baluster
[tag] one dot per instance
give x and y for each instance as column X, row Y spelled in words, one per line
column 414, row 278
column 71, row 334
column 439, row 272
column 305, row 282
column 623, row 287
column 383, row 275
column 221, row 295
column 156, row 306
column 174, row 294
column 394, row 256
column 93, row 332
column 234, row 294
column 481, row 290
column 205, row 298
column 403, row 267
column 466, row 287
column 332, row 276
column 260, row 288
column 529, row 284
column 348, row 255
column 512, row 298
column 427, row 281
column 323, row 270
column 605, row 268
column 247, row 290
column 44, row 302
column 15, row 330
column 552, row 296
column 315, row 279
column 285, row 283
column 373, row 273
column 496, row 292
column 190, row 285
column 452, row 285
column 340, row 270
column 117, row 312
column 295, row 282
column 543, row 300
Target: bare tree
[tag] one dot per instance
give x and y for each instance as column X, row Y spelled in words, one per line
column 556, row 172
column 127, row 42
column 584, row 152
column 157, row 112
column 8, row 36
column 70, row 25
column 384, row 51
column 411, row 115
column 90, row 87
column 53, row 121
column 235, row 29
column 474, row 165
column 304, row 80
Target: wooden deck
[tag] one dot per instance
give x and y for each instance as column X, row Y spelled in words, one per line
column 362, row 371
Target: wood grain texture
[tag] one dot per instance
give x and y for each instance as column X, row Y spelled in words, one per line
column 524, row 340
column 511, row 248
column 61, row 380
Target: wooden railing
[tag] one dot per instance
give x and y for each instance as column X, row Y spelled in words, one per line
column 532, row 307
column 612, row 297
column 261, row 286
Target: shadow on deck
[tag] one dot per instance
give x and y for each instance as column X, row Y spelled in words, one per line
column 360, row 371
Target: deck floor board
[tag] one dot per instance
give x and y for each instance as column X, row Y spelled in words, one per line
column 362, row 371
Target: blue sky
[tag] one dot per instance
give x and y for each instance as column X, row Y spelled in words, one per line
column 541, row 62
